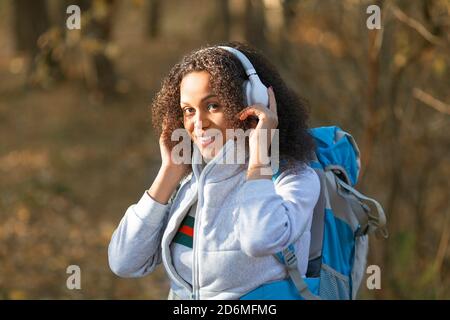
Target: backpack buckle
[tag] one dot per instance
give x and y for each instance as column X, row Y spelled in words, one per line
column 289, row 257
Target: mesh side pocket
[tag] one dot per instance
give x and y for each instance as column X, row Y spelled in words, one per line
column 333, row 285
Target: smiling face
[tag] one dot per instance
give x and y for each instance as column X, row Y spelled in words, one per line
column 203, row 115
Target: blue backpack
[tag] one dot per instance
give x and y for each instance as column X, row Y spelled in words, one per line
column 342, row 222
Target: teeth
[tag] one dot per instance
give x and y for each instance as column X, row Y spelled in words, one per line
column 205, row 139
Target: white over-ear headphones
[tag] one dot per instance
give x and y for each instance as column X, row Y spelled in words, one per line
column 254, row 90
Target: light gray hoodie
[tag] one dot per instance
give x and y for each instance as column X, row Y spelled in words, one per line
column 239, row 225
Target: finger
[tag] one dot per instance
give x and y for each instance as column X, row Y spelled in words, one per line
column 272, row 101
column 240, row 113
column 249, row 111
column 250, row 114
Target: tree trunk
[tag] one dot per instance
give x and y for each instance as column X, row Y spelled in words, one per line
column 289, row 16
column 154, row 21
column 255, row 23
column 30, row 21
column 223, row 13
column 99, row 28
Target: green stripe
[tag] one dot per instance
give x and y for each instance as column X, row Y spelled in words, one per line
column 183, row 239
column 188, row 221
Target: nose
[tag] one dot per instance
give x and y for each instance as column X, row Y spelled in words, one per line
column 201, row 122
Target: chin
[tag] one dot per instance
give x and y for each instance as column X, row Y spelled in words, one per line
column 207, row 154
column 209, row 151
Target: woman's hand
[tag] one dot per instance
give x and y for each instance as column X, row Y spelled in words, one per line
column 169, row 175
column 261, row 135
column 167, row 162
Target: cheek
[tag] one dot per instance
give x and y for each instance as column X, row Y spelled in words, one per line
column 189, row 126
column 222, row 121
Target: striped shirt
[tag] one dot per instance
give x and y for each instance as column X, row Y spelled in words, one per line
column 181, row 247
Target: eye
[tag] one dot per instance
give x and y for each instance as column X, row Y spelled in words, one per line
column 213, row 106
column 188, row 111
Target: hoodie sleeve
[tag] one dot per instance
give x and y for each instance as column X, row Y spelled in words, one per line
column 135, row 246
column 273, row 215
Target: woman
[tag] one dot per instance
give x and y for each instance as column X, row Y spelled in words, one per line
column 214, row 224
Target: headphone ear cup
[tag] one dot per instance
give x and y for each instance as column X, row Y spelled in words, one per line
column 256, row 91
column 247, row 91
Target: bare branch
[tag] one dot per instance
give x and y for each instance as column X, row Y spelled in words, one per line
column 431, row 101
column 443, row 245
column 416, row 25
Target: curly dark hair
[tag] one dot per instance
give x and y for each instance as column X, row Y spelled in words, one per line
column 226, row 77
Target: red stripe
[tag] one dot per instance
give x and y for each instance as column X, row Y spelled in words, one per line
column 187, row 230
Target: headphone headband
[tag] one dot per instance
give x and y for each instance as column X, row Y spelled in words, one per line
column 254, row 90
column 249, row 69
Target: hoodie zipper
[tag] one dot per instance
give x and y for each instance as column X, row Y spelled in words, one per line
column 195, row 272
column 195, row 295
column 195, row 276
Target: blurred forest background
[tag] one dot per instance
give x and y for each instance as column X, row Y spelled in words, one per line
column 76, row 145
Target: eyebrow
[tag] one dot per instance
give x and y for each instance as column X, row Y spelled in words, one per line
column 203, row 99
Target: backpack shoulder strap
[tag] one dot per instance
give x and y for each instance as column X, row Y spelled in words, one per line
column 375, row 222
column 288, row 258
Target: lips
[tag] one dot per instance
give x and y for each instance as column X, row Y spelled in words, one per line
column 205, row 140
